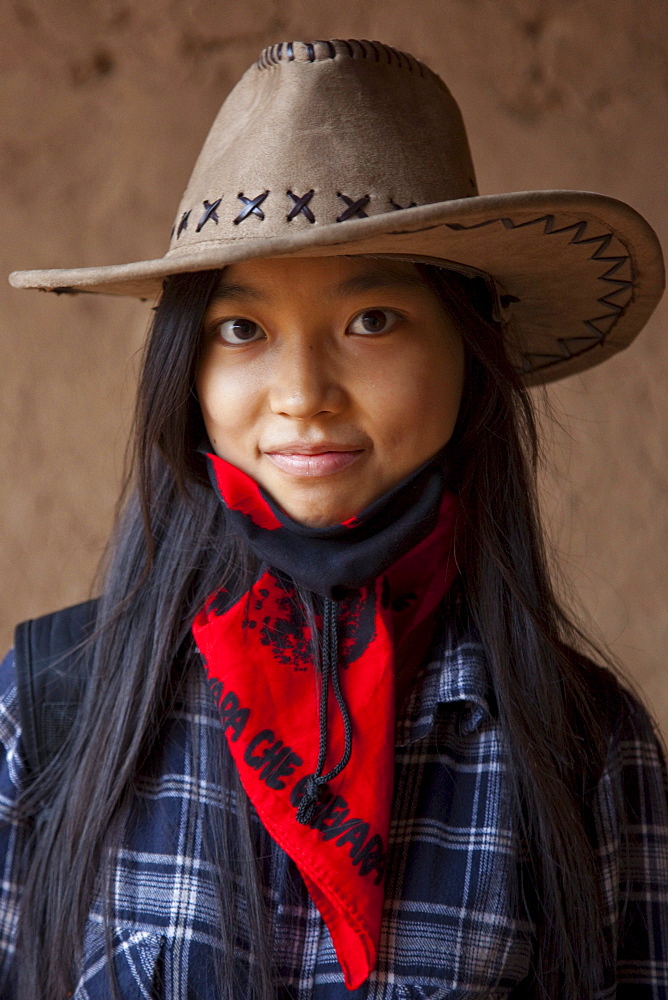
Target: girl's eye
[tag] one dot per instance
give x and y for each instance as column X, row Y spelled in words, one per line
column 373, row 321
column 239, row 331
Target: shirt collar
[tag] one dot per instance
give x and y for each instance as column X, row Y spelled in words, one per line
column 456, row 674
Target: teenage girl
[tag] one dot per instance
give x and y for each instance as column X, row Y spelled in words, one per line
column 331, row 733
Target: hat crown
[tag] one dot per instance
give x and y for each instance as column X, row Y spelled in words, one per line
column 323, row 132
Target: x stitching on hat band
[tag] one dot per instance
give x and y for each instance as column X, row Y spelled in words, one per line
column 183, row 224
column 251, row 207
column 301, row 205
column 355, row 208
column 209, row 213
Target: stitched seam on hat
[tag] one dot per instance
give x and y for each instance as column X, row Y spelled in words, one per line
column 320, row 50
column 355, row 208
column 594, row 336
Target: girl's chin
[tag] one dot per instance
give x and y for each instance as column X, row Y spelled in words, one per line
column 315, row 517
column 317, row 508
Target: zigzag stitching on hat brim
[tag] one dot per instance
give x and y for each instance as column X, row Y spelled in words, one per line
column 533, row 361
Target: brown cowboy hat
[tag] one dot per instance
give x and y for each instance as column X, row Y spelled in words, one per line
column 352, row 147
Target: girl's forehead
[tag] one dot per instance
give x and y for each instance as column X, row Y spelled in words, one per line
column 335, row 275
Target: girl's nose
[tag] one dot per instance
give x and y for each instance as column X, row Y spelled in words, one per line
column 305, row 380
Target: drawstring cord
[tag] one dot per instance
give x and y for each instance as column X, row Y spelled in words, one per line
column 330, row 669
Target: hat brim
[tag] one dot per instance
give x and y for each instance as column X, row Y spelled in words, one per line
column 586, row 270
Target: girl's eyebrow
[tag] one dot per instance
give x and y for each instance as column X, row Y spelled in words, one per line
column 376, row 278
column 237, row 292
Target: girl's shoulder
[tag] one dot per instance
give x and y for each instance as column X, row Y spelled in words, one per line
column 621, row 710
column 630, row 783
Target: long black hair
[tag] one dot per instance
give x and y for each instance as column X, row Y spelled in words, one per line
column 171, row 548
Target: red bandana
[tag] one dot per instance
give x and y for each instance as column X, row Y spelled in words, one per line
column 257, row 652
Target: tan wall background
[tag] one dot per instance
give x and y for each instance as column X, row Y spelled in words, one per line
column 104, row 104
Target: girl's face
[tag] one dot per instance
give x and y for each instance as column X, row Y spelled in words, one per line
column 328, row 380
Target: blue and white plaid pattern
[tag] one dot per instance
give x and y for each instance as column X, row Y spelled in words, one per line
column 448, row 929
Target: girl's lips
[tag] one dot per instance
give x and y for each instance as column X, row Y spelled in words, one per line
column 323, row 463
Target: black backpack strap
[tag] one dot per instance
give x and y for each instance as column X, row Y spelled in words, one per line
column 51, row 672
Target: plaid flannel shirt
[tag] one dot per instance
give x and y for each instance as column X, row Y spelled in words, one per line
column 448, row 929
